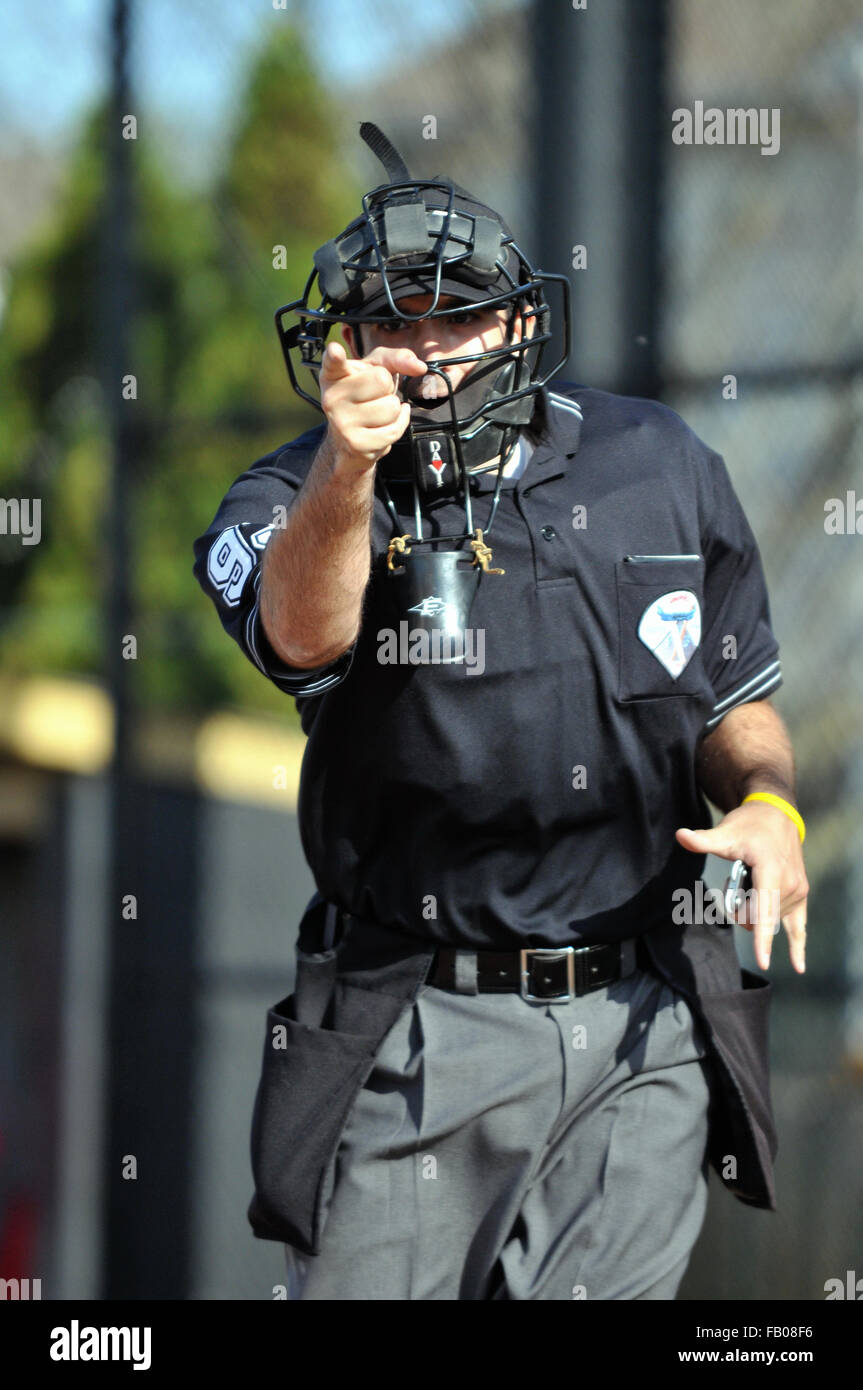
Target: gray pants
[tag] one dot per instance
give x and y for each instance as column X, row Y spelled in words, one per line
column 508, row 1150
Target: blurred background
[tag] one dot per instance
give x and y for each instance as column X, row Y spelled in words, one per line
column 152, row 158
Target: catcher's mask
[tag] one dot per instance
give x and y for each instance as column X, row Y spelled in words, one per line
column 433, row 238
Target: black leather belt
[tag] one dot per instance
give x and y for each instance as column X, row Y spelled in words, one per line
column 554, row 975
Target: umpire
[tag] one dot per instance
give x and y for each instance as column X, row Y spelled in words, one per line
column 528, row 632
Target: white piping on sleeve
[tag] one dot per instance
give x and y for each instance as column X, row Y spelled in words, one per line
column 752, row 690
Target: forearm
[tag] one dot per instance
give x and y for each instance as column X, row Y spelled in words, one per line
column 316, row 568
column 748, row 751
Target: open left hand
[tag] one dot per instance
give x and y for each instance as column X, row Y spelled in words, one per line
column 768, row 841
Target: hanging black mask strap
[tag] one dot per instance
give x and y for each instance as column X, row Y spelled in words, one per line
column 397, row 170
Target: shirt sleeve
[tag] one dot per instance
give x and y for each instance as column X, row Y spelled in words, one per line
column 741, row 653
column 228, row 568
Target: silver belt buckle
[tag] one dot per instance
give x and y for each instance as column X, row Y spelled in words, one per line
column 551, row 953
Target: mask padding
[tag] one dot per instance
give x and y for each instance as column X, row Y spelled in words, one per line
column 331, row 273
column 405, row 230
column 486, row 244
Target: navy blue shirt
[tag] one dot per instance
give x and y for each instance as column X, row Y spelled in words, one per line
column 533, row 799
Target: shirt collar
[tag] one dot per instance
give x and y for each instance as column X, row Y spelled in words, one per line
column 556, row 424
column 559, row 419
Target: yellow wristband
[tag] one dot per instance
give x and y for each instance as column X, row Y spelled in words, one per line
column 782, row 805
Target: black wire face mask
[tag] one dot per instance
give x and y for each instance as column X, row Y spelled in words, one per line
column 463, row 427
column 433, row 238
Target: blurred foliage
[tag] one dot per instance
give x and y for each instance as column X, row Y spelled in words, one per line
column 213, row 394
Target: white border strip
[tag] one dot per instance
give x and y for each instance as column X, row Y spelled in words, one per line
column 250, row 624
column 564, row 403
column 745, row 696
column 303, row 683
column 730, row 699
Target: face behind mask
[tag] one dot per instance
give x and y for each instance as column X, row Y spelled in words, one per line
column 436, row 445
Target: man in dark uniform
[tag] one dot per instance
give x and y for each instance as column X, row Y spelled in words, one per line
column 527, row 631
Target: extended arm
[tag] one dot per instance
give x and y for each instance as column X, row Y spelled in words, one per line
column 316, row 568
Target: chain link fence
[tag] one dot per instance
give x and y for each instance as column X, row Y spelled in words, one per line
column 762, row 353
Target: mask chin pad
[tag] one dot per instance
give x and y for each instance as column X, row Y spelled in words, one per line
column 514, row 376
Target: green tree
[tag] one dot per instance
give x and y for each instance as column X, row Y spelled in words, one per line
column 212, row 390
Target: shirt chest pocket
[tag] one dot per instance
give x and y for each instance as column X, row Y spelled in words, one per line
column 660, row 603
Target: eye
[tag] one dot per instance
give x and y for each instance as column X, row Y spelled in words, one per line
column 464, row 316
column 390, row 326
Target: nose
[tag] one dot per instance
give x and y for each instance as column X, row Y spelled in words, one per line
column 426, row 339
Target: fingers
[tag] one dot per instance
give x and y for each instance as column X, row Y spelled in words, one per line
column 376, row 427
column 378, row 412
column 780, row 894
column 770, row 845
column 719, row 841
column 762, row 910
column 334, row 363
column 337, row 366
column 375, row 444
column 396, row 360
column 359, row 397
column 365, row 380
column 795, row 925
column 361, row 434
column 370, row 384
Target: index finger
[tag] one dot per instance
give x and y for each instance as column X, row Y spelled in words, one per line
column 335, row 363
column 398, row 361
